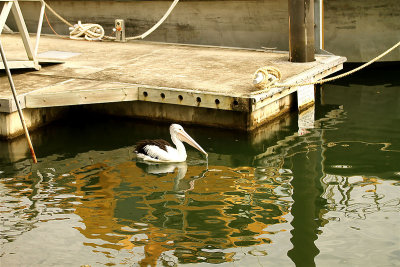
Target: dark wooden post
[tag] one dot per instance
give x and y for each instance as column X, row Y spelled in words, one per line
column 301, row 30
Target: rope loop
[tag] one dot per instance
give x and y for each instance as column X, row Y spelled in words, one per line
column 266, row 76
column 89, row 31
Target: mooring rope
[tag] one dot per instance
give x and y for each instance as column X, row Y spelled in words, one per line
column 58, row 15
column 142, row 36
column 327, row 79
column 51, row 27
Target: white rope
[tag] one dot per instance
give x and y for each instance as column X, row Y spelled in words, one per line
column 89, row 31
column 142, row 36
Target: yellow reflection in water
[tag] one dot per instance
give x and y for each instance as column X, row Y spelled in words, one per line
column 216, row 207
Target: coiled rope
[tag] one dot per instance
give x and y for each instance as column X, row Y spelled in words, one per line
column 266, row 77
column 89, row 31
column 79, row 31
column 327, row 79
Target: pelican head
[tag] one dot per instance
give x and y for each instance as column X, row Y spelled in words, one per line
column 177, row 132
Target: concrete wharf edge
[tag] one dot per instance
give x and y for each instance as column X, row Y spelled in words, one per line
column 169, row 82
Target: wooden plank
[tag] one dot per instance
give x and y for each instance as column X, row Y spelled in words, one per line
column 78, row 92
column 7, row 105
column 20, row 64
column 260, row 103
column 21, row 100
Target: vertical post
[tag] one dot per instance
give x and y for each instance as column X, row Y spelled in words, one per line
column 120, row 30
column 39, row 29
column 319, row 24
column 301, row 30
column 21, row 115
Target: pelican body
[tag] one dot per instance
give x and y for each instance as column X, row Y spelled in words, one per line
column 161, row 151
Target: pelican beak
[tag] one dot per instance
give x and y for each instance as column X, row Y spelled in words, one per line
column 186, row 138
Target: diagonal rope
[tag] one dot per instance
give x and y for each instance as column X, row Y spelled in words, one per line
column 58, row 15
column 48, row 22
column 142, row 36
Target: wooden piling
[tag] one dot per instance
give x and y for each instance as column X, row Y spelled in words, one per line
column 301, row 30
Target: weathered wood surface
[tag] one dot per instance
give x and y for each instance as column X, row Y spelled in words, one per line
column 211, row 77
column 189, row 84
column 79, row 92
column 19, row 64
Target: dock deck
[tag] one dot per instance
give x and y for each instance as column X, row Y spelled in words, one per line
column 185, row 83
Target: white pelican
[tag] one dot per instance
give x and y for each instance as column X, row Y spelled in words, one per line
column 161, row 151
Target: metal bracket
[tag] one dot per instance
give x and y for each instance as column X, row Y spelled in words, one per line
column 120, row 30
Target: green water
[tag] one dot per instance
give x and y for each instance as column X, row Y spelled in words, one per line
column 322, row 189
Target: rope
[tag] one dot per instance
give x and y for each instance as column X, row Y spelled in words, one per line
column 142, row 36
column 58, row 15
column 329, row 79
column 48, row 22
column 266, row 76
column 89, row 31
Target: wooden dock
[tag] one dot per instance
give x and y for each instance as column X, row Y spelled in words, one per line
column 204, row 85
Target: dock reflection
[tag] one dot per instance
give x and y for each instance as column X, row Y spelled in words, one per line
column 288, row 183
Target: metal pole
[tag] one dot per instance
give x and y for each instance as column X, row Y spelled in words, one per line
column 21, row 115
column 319, row 24
column 301, row 30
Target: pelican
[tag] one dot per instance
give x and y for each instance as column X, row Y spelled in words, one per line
column 161, row 151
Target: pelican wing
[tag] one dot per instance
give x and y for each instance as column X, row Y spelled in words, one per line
column 158, row 142
column 156, row 152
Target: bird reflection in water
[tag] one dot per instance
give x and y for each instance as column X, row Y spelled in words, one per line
column 181, row 185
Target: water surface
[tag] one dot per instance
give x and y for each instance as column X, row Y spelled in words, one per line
column 322, row 188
